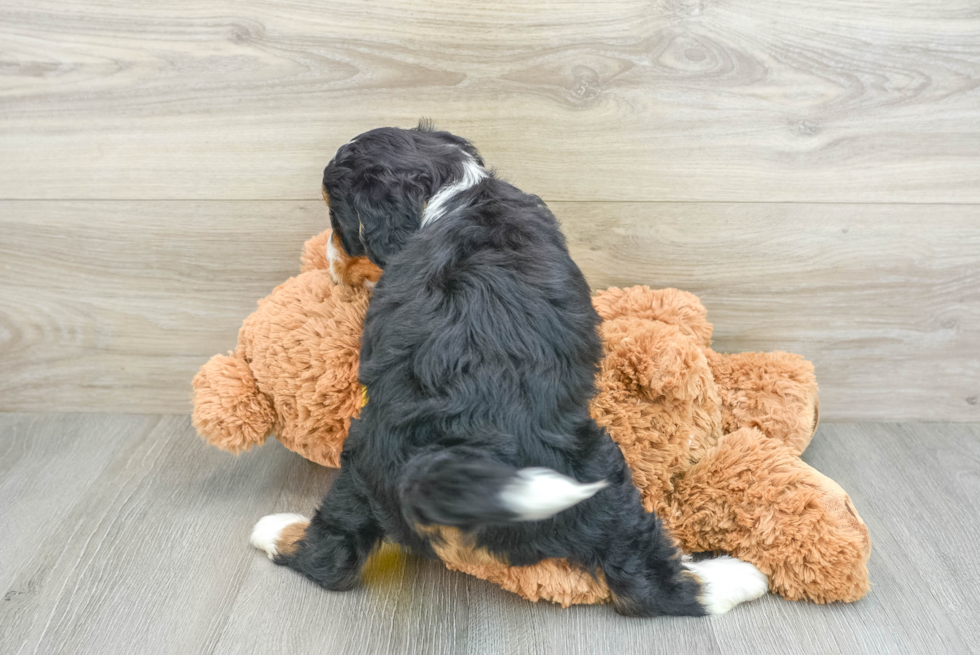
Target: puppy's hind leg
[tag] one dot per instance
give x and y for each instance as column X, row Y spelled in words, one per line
column 645, row 572
column 644, row 569
column 330, row 548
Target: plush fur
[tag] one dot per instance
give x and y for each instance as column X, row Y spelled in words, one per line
column 811, row 543
column 294, row 371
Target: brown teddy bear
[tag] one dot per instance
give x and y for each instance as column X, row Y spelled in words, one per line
column 294, row 372
column 713, row 440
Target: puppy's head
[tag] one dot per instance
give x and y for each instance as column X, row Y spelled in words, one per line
column 378, row 186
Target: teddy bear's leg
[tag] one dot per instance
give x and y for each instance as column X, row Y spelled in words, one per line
column 751, row 496
column 775, row 393
column 329, row 549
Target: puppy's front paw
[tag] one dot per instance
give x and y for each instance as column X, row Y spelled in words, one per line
column 726, row 582
column 277, row 534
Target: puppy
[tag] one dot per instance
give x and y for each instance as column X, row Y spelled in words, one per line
column 479, row 354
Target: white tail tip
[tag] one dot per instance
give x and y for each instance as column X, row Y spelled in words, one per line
column 538, row 493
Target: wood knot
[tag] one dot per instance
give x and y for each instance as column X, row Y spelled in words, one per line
column 586, row 83
column 243, row 33
column 684, row 8
column 806, row 128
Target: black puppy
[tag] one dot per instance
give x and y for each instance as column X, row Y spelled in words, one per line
column 479, row 354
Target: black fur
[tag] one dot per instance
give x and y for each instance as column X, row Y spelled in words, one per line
column 480, row 350
column 457, row 486
column 379, row 183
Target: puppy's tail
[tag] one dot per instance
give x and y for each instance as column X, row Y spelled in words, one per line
column 461, row 488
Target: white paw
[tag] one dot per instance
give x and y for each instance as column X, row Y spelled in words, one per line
column 726, row 582
column 265, row 534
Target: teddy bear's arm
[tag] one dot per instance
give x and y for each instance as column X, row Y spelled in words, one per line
column 229, row 410
column 775, row 393
column 751, row 496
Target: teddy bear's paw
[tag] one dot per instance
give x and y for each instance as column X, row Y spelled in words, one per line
column 277, row 534
column 726, row 582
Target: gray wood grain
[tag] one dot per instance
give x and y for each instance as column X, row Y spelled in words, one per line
column 151, row 556
column 113, row 306
column 920, row 483
column 44, row 464
column 625, row 99
column 142, row 547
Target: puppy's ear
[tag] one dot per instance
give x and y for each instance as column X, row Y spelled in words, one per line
column 390, row 211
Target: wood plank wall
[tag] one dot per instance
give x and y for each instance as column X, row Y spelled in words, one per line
column 810, row 169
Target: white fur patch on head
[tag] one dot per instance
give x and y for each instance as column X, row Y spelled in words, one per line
column 265, row 534
column 726, row 582
column 439, row 203
column 537, row 493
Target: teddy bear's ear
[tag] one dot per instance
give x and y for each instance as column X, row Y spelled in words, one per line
column 314, row 255
column 229, row 410
column 671, row 306
column 655, row 360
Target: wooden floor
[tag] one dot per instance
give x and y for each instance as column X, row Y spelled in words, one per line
column 127, row 534
column 810, row 169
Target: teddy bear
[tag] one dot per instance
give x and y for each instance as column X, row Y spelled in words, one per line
column 294, row 371
column 713, row 440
